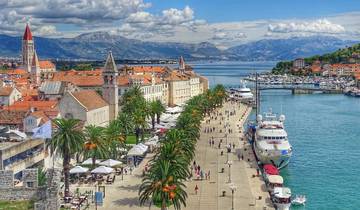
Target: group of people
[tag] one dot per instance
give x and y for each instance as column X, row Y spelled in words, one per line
column 199, row 173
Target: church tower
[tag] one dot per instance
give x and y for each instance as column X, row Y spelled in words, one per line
column 110, row 91
column 27, row 49
column 181, row 64
column 35, row 70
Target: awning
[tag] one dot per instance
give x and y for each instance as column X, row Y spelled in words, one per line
column 275, row 179
column 78, row 170
column 110, row 163
column 102, row 170
column 89, row 161
column 271, row 170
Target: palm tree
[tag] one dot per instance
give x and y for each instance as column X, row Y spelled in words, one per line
column 125, row 123
column 68, row 140
column 140, row 124
column 159, row 109
column 152, row 112
column 95, row 146
column 162, row 186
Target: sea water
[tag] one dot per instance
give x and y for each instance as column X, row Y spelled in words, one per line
column 324, row 132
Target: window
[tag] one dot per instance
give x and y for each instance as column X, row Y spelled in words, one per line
column 29, row 184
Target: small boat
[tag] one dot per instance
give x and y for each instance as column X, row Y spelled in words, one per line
column 281, row 197
column 298, row 200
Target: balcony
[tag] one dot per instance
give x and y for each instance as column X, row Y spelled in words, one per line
column 22, row 164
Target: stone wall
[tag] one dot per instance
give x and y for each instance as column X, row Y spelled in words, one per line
column 46, row 196
column 7, row 179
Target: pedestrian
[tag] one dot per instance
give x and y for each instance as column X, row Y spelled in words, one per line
column 233, row 145
column 219, row 145
column 239, row 156
column 196, row 189
column 208, row 174
column 210, row 142
column 213, row 142
column 201, row 175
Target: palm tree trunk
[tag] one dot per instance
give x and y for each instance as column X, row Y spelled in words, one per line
column 158, row 118
column 137, row 134
column 163, row 205
column 66, row 173
column 153, row 121
column 93, row 161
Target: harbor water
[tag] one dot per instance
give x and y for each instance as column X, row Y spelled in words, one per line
column 323, row 130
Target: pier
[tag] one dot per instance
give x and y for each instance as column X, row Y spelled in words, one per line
column 301, row 89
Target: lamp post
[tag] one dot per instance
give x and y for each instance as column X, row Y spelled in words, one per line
column 232, row 188
column 229, row 164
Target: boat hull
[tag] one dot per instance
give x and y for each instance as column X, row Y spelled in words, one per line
column 273, row 157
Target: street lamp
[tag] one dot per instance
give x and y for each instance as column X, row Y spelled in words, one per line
column 232, row 188
column 229, row 164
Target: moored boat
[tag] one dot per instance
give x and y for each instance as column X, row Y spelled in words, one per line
column 271, row 144
column 281, row 198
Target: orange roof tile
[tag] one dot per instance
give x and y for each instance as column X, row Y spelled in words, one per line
column 12, row 117
column 90, row 99
column 148, row 69
column 27, row 105
column 6, row 91
column 46, row 64
column 14, row 72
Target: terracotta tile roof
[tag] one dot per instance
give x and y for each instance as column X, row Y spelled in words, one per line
column 46, row 64
column 6, row 91
column 90, row 99
column 12, row 117
column 147, row 69
column 38, row 105
column 80, row 78
column 40, row 115
column 14, row 72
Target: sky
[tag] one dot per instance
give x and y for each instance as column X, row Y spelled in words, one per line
column 224, row 23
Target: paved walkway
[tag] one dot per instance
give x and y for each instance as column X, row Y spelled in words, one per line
column 246, row 195
column 123, row 194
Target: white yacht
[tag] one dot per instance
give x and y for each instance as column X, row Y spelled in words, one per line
column 243, row 93
column 271, row 143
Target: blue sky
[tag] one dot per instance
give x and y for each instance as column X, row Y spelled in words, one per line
column 239, row 10
column 224, row 23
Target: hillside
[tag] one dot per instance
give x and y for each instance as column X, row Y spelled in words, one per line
column 94, row 46
column 345, row 55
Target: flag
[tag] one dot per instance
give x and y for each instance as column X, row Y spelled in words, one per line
column 43, row 132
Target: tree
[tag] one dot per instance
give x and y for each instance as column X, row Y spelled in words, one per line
column 68, row 140
column 95, row 145
column 163, row 186
column 159, row 109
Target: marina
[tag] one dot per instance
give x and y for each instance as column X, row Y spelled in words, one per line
column 326, row 127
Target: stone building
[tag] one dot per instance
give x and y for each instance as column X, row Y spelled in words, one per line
column 8, row 95
column 85, row 105
column 110, row 90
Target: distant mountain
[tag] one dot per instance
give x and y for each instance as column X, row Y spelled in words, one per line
column 96, row 45
column 286, row 49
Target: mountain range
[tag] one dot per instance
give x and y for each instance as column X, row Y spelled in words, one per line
column 94, row 46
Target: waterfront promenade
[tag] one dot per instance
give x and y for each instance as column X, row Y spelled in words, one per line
column 248, row 188
column 123, row 194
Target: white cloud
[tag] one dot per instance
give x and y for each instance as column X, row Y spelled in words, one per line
column 174, row 16
column 48, row 30
column 317, row 26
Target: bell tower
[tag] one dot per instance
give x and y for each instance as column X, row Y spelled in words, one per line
column 35, row 70
column 110, row 90
column 27, row 49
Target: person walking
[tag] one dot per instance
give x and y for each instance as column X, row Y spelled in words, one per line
column 196, row 189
